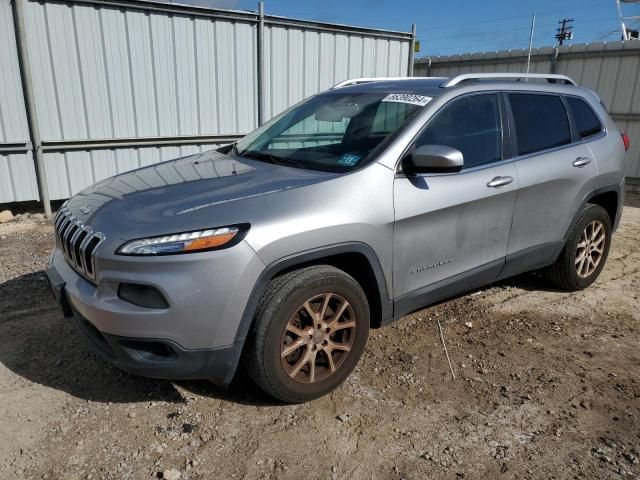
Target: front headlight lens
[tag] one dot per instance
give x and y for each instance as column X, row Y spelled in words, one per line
column 188, row 242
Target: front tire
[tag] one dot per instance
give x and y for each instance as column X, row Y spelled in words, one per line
column 310, row 329
column 586, row 251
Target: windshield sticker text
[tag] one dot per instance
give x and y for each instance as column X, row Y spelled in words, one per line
column 420, row 100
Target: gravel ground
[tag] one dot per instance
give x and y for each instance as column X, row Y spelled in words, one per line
column 547, row 386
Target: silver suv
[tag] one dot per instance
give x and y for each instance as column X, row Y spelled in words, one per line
column 347, row 211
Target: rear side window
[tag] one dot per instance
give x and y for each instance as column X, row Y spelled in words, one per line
column 472, row 125
column 541, row 122
column 587, row 122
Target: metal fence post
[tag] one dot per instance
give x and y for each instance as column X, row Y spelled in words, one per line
column 27, row 89
column 412, row 50
column 260, row 63
column 554, row 60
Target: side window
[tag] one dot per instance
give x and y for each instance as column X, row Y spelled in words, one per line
column 541, row 122
column 472, row 125
column 587, row 122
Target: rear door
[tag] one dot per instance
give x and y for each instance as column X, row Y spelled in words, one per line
column 554, row 168
column 454, row 228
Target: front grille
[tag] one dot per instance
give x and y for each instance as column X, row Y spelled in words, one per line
column 78, row 243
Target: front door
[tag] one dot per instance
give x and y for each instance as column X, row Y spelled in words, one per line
column 454, row 228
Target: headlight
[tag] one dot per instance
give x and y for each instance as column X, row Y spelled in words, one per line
column 188, row 242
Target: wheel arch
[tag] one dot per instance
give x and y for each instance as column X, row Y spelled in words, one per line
column 609, row 200
column 355, row 258
column 608, row 197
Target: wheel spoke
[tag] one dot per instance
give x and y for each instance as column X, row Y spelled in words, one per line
column 304, row 359
column 581, row 264
column 300, row 333
column 599, row 240
column 339, row 346
column 327, row 353
column 587, row 267
column 342, row 326
column 338, row 314
column 312, row 366
column 293, row 346
column 325, row 304
column 312, row 314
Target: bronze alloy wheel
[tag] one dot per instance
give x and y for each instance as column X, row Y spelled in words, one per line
column 318, row 338
column 590, row 248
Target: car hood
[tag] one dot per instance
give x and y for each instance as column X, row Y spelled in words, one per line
column 200, row 191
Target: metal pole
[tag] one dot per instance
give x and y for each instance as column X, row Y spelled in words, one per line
column 412, row 48
column 533, row 26
column 622, row 25
column 27, row 88
column 554, row 59
column 260, row 63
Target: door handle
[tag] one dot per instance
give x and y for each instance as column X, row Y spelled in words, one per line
column 581, row 162
column 498, row 182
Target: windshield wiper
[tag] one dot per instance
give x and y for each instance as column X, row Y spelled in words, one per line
column 267, row 157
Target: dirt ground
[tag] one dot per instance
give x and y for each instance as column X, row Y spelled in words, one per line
column 547, row 386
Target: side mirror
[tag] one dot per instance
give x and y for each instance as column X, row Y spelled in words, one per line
column 433, row 159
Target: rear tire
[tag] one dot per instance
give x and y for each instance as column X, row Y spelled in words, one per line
column 310, row 329
column 586, row 251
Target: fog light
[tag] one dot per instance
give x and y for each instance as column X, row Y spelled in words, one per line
column 142, row 295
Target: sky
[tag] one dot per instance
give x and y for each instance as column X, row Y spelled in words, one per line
column 457, row 26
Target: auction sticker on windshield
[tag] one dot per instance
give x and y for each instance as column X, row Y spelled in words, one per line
column 420, row 100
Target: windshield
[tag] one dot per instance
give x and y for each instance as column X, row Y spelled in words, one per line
column 333, row 131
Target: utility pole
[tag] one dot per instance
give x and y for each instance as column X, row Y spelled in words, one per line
column 565, row 32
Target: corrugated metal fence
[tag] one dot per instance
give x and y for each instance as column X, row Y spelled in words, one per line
column 119, row 84
column 17, row 170
column 611, row 69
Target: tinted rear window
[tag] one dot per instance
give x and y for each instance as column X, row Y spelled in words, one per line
column 541, row 122
column 587, row 122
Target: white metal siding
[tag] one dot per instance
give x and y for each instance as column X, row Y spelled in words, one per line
column 13, row 119
column 17, row 171
column 137, row 70
column 17, row 177
column 300, row 62
column 101, row 72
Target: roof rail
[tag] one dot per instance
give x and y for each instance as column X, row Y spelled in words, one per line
column 486, row 76
column 356, row 81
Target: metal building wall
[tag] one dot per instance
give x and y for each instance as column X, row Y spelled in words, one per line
column 120, row 84
column 611, row 69
column 105, row 73
column 300, row 61
column 17, row 171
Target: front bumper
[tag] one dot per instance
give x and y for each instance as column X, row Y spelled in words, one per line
column 195, row 337
column 159, row 358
